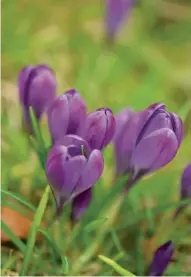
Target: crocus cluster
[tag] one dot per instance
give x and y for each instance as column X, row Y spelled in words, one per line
column 145, row 141
column 75, row 161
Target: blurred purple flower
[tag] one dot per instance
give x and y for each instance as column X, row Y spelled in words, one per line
column 185, row 188
column 116, row 12
column 37, row 88
column 162, row 257
column 71, row 169
column 99, row 128
column 186, row 182
column 66, row 114
column 146, row 141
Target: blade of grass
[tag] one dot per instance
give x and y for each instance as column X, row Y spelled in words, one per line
column 122, row 271
column 33, row 231
column 21, row 245
column 8, row 264
column 19, row 198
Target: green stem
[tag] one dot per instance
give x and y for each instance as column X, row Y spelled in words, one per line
column 33, row 231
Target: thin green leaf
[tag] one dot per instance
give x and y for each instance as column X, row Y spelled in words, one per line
column 122, row 271
column 21, row 245
column 33, row 231
column 95, row 224
column 18, row 198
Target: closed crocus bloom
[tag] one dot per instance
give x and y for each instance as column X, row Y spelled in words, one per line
column 71, row 169
column 147, row 141
column 99, row 128
column 37, row 88
column 161, row 259
column 116, row 12
column 66, row 114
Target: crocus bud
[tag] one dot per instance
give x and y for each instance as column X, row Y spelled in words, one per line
column 71, row 171
column 116, row 12
column 66, row 114
column 37, row 88
column 147, row 140
column 185, row 186
column 80, row 204
column 99, row 128
column 162, row 257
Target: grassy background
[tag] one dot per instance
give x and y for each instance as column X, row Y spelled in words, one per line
column 150, row 62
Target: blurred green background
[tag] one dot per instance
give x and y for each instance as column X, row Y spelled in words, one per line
column 149, row 62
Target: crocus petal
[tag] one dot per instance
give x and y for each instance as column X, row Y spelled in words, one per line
column 177, row 126
column 91, row 172
column 77, row 108
column 110, row 127
column 155, row 150
column 146, row 117
column 58, row 117
column 74, row 140
column 116, row 11
column 159, row 120
column 95, row 128
column 122, row 154
column 186, row 182
column 121, row 120
column 161, row 259
column 22, row 79
column 80, row 204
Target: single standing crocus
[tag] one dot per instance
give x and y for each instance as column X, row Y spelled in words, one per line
column 99, row 128
column 185, row 186
column 146, row 141
column 72, row 168
column 116, row 12
column 37, row 88
column 161, row 259
column 66, row 115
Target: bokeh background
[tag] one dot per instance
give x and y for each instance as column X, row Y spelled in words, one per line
column 150, row 61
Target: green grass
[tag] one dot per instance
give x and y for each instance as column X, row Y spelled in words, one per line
column 150, row 62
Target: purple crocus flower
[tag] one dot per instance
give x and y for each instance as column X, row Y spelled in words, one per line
column 116, row 12
column 66, row 114
column 162, row 257
column 99, row 128
column 146, row 141
column 37, row 88
column 72, row 168
column 185, row 188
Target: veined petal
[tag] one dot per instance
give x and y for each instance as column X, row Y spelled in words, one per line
column 91, row 172
column 58, row 117
column 155, row 150
column 177, row 126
